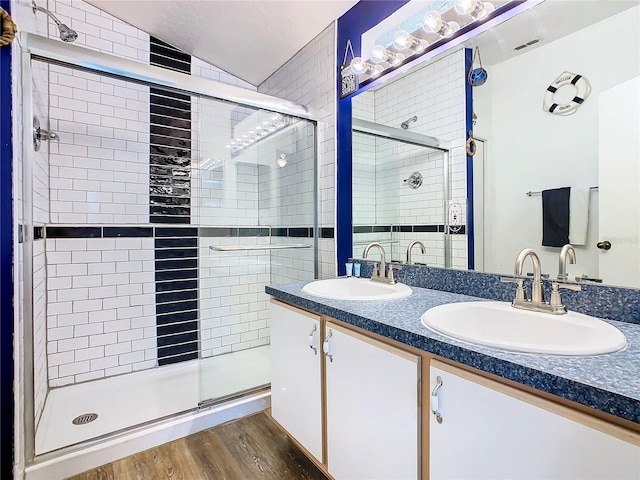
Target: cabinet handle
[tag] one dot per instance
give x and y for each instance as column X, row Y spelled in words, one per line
column 434, row 399
column 325, row 346
column 311, row 339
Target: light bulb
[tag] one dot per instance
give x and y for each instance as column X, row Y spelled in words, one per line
column 360, row 67
column 380, row 54
column 465, row 7
column 433, row 23
column 405, row 41
column 282, row 160
column 477, row 9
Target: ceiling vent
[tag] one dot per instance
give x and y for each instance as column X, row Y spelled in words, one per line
column 527, row 44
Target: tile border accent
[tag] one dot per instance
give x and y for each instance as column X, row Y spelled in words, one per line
column 428, row 228
column 104, row 231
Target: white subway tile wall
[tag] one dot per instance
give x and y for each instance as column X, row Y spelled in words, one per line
column 100, row 166
column 233, row 305
column 101, row 307
column 309, row 78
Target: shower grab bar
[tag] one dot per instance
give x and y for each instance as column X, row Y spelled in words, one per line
column 239, row 248
column 531, row 194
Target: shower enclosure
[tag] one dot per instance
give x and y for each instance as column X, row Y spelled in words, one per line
column 400, row 190
column 152, row 224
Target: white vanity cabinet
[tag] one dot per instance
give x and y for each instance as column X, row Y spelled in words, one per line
column 370, row 419
column 372, row 394
column 296, row 380
column 492, row 431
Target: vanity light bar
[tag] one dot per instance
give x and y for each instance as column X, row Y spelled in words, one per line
column 264, row 129
column 405, row 44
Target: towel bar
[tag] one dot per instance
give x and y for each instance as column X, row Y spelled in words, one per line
column 531, row 194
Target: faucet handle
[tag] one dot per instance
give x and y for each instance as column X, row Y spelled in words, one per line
column 556, row 300
column 568, row 286
column 520, row 293
column 374, row 273
column 393, row 266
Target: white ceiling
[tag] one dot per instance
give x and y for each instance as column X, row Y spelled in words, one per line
column 249, row 39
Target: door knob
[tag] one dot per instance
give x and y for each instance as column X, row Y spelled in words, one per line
column 606, row 245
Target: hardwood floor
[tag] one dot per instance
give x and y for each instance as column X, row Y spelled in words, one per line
column 251, row 448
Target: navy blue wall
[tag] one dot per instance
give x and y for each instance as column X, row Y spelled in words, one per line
column 6, row 256
column 363, row 16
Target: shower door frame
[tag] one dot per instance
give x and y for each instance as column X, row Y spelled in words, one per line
column 366, row 127
column 37, row 47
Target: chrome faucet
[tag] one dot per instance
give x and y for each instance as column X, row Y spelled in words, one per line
column 380, row 274
column 537, row 295
column 537, row 302
column 410, row 247
column 569, row 251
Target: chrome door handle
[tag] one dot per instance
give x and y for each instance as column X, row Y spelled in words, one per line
column 606, row 245
column 435, row 401
column 312, row 340
column 325, row 346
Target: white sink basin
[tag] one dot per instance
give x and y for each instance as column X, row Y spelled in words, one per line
column 498, row 324
column 352, row 288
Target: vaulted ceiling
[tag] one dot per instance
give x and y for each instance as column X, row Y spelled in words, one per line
column 249, row 39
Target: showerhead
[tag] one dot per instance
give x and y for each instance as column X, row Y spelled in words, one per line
column 66, row 34
column 405, row 124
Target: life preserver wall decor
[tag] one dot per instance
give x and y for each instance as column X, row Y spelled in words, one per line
column 583, row 89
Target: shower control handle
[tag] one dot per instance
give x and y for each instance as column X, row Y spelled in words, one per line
column 606, row 245
column 312, row 339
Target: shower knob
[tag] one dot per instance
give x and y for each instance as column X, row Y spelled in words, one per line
column 606, row 245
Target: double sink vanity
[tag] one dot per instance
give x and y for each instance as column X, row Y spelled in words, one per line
column 376, row 380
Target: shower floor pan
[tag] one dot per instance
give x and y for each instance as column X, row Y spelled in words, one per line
column 132, row 399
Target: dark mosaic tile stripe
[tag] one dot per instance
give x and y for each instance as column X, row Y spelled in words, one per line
column 253, row 232
column 162, row 265
column 73, row 232
column 130, row 232
column 166, row 275
column 176, row 296
column 179, row 318
column 218, row 232
column 180, row 232
column 176, row 285
column 175, row 242
column 163, row 254
column 168, row 219
column 326, row 232
column 301, row 232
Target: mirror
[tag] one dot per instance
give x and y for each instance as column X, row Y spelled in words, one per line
column 523, row 149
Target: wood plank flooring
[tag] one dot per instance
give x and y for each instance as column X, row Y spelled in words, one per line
column 252, row 448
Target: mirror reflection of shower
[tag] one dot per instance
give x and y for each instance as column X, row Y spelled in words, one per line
column 406, row 123
column 66, row 34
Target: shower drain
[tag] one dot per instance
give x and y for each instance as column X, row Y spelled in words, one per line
column 84, row 418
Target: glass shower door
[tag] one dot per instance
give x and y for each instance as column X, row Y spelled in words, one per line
column 255, row 177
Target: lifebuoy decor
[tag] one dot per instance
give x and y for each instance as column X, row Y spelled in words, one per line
column 9, row 28
column 583, row 89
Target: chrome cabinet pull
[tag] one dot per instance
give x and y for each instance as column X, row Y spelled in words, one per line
column 325, row 346
column 311, row 339
column 434, row 399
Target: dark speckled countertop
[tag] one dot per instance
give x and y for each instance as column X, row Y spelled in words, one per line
column 610, row 383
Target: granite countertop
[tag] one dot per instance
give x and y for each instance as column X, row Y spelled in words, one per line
column 609, row 383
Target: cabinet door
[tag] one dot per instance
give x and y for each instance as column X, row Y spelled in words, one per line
column 296, row 396
column 372, row 408
column 487, row 434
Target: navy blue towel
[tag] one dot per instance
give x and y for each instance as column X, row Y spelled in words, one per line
column 555, row 217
